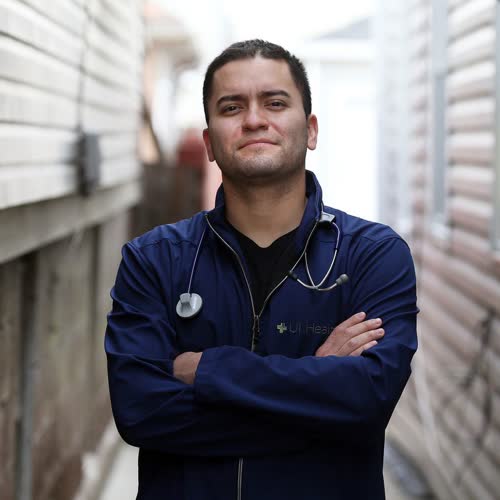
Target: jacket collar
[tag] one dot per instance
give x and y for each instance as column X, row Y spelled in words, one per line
column 312, row 213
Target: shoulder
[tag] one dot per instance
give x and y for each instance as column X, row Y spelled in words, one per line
column 186, row 231
column 165, row 245
column 362, row 232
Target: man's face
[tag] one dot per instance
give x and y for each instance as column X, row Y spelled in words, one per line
column 258, row 130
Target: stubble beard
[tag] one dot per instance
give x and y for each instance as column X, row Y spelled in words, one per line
column 261, row 169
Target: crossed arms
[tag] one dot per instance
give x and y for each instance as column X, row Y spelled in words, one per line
column 351, row 338
column 228, row 410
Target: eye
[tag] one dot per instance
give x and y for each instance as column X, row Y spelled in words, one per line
column 231, row 109
column 277, row 104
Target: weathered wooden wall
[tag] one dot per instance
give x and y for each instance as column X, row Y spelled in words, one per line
column 67, row 68
column 448, row 420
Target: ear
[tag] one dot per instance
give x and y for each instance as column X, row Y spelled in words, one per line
column 312, row 131
column 208, row 145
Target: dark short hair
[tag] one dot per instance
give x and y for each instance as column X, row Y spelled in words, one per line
column 253, row 48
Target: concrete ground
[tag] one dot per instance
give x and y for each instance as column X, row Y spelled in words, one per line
column 122, row 481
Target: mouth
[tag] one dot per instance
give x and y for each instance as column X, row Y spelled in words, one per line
column 257, row 142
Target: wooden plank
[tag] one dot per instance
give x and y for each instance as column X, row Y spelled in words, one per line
column 452, row 301
column 472, row 148
column 472, row 248
column 108, row 22
column 25, row 144
column 97, row 93
column 22, row 22
column 52, row 220
column 482, row 87
column 108, row 48
column 21, row 103
column 112, row 74
column 23, row 184
column 11, row 335
column 473, row 215
column 102, row 122
column 446, row 372
column 29, row 184
column 25, row 64
column 117, row 145
column 412, row 437
column 469, row 407
column 474, row 122
column 62, row 12
column 472, row 48
column 452, row 333
column 470, row 74
column 463, row 425
column 482, row 287
column 471, row 17
column 471, row 182
column 118, row 171
column 470, row 485
column 22, row 144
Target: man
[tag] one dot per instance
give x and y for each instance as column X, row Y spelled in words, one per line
column 256, row 384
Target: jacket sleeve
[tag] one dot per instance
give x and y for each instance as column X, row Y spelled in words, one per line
column 337, row 397
column 153, row 409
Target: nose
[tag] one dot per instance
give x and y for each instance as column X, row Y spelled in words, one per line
column 254, row 118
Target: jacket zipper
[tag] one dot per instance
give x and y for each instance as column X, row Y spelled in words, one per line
column 256, row 317
column 240, row 476
column 286, row 276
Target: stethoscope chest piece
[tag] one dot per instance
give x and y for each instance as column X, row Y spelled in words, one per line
column 189, row 305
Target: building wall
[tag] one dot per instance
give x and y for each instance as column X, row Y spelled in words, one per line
column 343, row 82
column 448, row 420
column 69, row 68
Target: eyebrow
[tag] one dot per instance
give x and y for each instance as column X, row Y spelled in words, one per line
column 241, row 97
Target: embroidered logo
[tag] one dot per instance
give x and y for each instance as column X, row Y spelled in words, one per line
column 304, row 328
column 282, row 328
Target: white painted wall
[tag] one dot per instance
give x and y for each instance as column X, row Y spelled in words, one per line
column 343, row 88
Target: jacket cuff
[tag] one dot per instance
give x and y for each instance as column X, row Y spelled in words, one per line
column 201, row 383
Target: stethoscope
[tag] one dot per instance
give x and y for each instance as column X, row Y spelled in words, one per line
column 190, row 304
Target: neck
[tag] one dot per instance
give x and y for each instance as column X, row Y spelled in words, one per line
column 265, row 213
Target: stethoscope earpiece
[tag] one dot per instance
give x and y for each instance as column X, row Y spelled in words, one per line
column 189, row 305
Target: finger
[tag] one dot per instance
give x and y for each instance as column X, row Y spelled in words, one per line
column 341, row 335
column 365, row 326
column 353, row 320
column 363, row 348
column 355, row 343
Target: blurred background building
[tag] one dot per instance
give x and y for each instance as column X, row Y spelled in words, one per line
column 439, row 178
column 100, row 139
column 70, row 110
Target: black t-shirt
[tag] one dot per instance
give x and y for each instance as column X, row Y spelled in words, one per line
column 269, row 265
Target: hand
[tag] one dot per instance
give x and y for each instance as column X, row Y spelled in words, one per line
column 185, row 366
column 352, row 337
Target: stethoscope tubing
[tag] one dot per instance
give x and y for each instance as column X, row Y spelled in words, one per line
column 195, row 261
column 190, row 304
